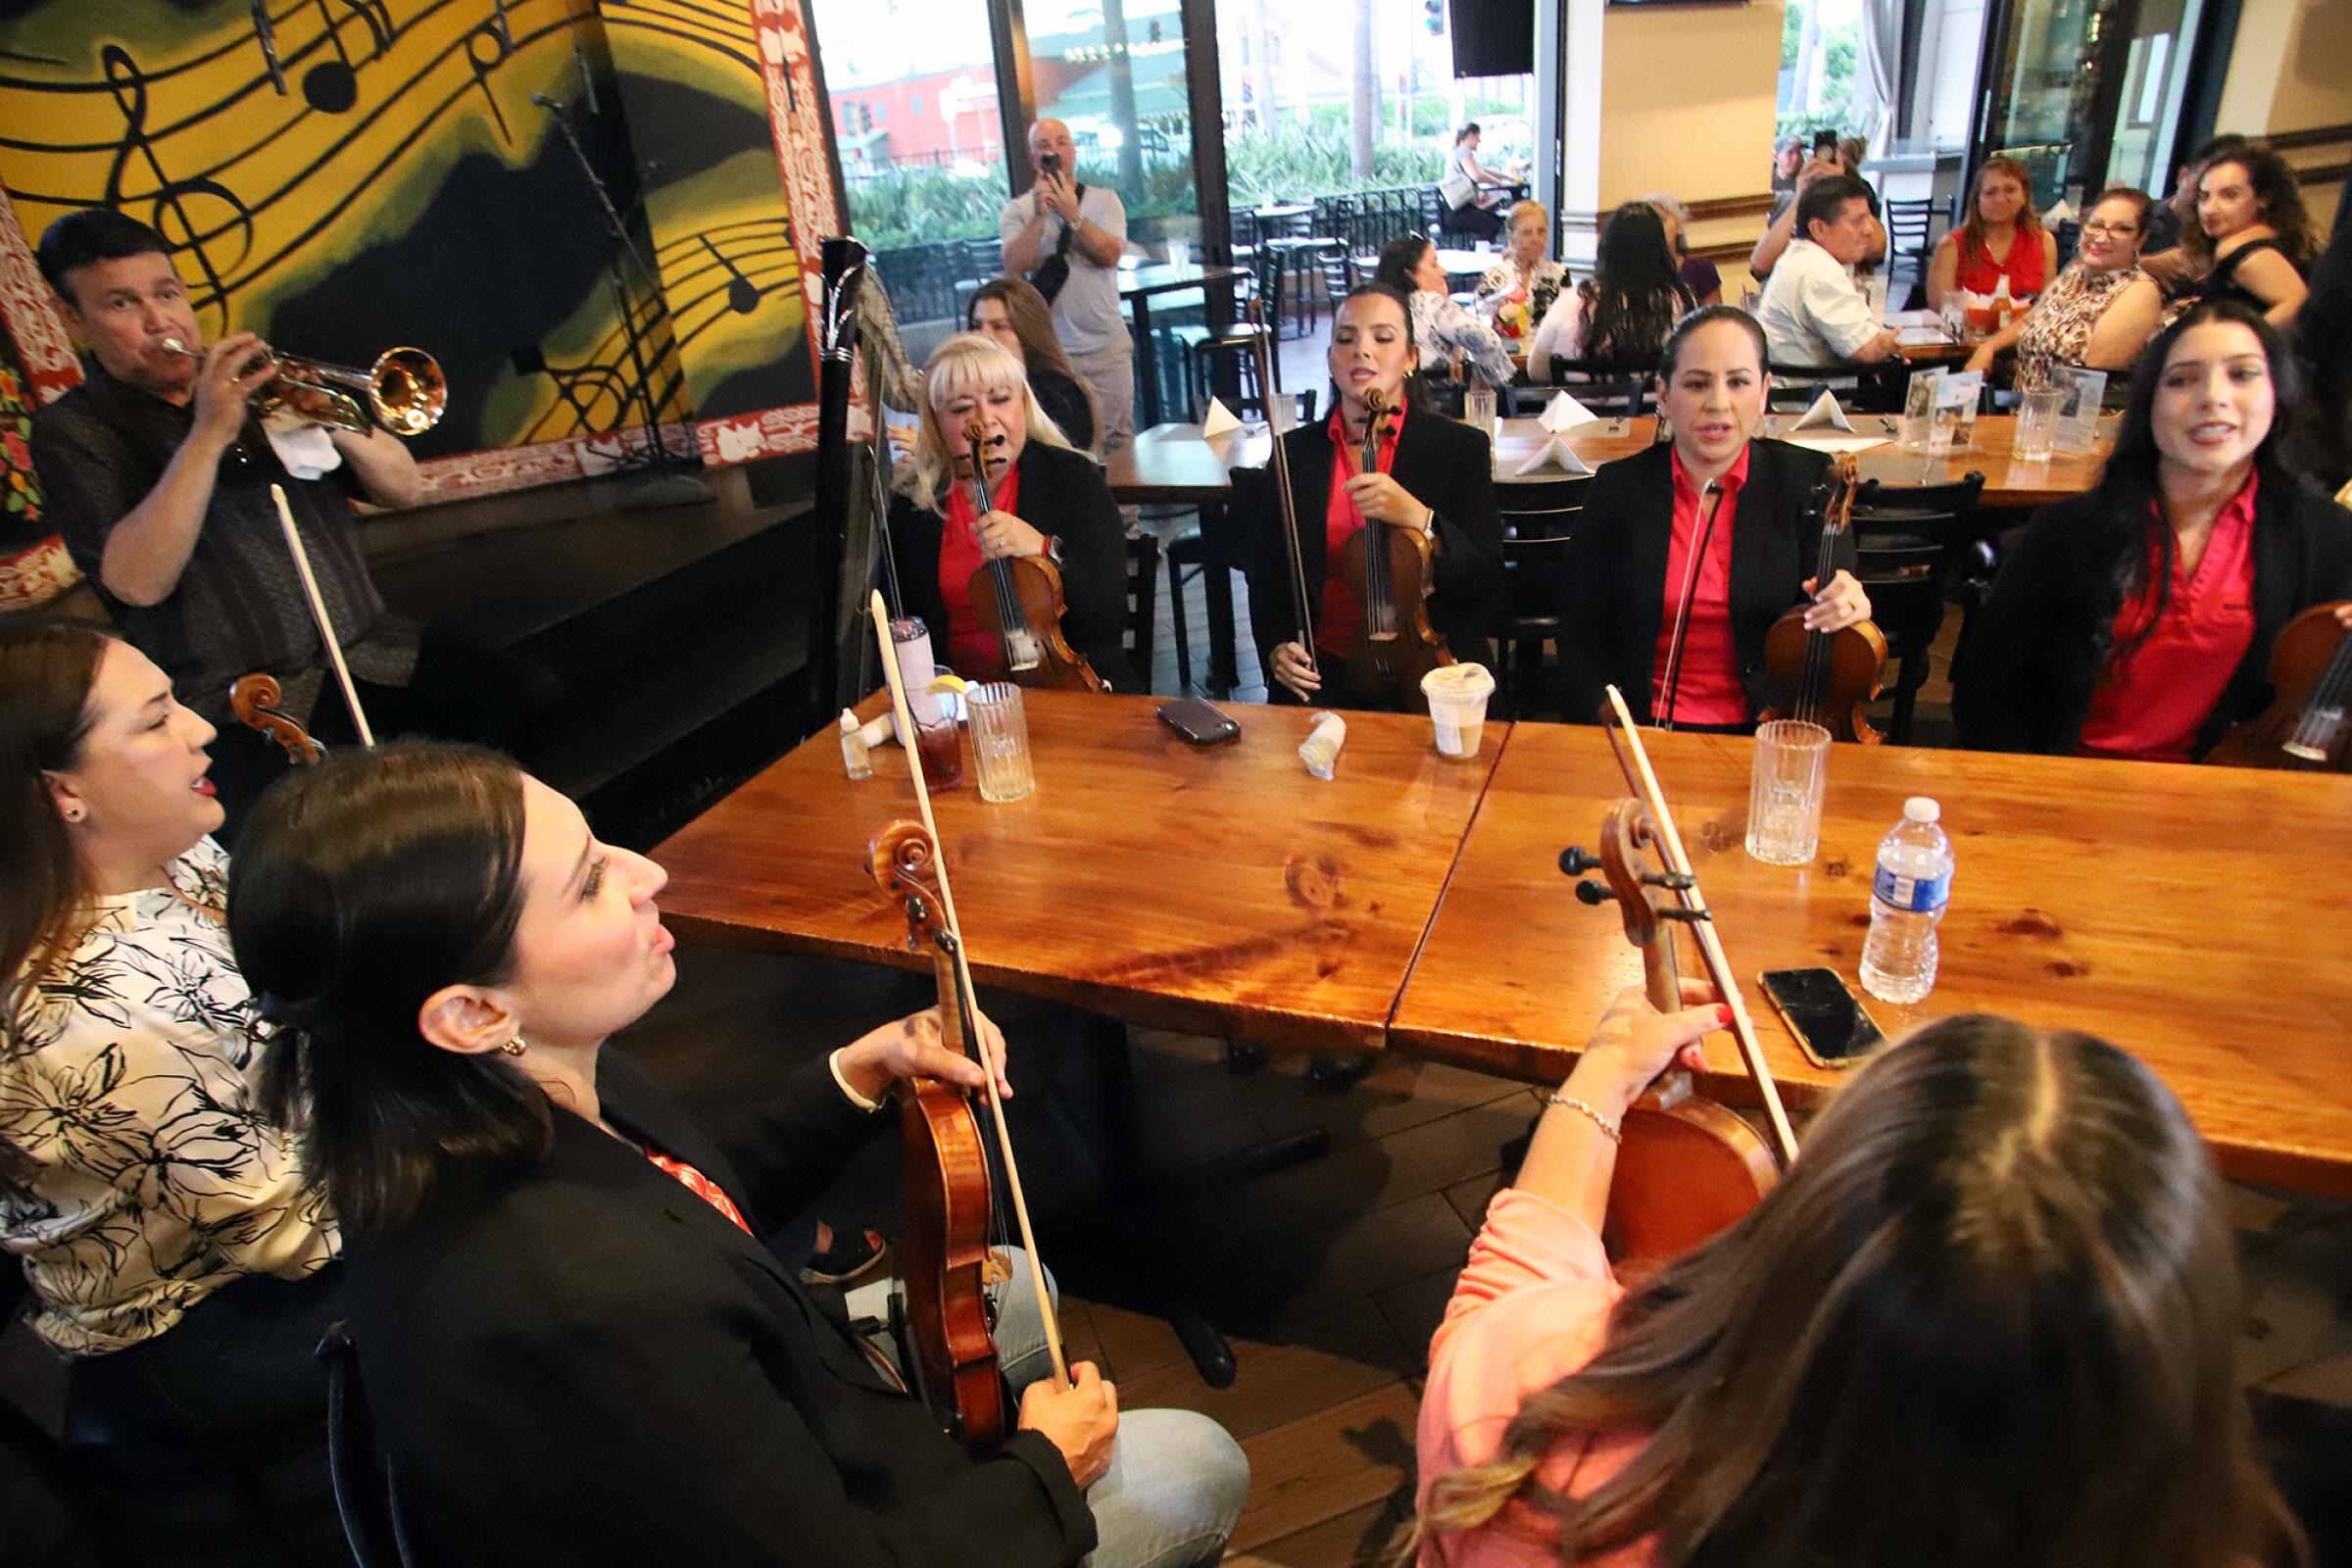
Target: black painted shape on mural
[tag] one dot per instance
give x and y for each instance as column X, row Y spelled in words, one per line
column 743, row 295
column 501, row 48
column 171, row 198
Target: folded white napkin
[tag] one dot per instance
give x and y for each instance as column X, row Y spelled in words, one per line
column 306, row 449
column 1220, row 420
column 2058, row 213
column 1564, row 412
column 1825, row 415
column 1555, row 454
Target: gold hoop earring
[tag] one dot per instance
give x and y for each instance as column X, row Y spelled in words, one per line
column 514, row 1046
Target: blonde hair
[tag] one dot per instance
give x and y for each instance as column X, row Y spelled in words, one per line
column 1524, row 209
column 966, row 363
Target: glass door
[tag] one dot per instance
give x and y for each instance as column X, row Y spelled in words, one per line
column 2049, row 93
column 2147, row 113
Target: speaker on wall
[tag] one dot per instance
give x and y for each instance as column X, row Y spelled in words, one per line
column 1494, row 37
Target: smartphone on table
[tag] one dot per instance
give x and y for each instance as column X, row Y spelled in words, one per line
column 1831, row 1026
column 1201, row 723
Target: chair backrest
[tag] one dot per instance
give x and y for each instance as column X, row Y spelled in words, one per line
column 2068, row 234
column 1907, row 225
column 983, row 258
column 1143, row 605
column 1909, row 542
column 1339, row 275
column 1245, row 229
column 1611, row 386
column 1433, row 210
column 1541, row 509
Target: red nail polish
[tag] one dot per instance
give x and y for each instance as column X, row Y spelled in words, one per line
column 1723, row 1016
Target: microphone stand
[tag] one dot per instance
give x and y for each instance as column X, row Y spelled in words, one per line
column 650, row 414
column 1711, row 498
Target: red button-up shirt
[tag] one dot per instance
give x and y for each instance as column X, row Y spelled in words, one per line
column 1341, row 614
column 2152, row 704
column 972, row 652
column 1707, row 689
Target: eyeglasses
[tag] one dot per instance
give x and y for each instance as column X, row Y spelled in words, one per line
column 2111, row 230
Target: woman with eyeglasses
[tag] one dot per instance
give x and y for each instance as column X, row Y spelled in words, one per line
column 2082, row 318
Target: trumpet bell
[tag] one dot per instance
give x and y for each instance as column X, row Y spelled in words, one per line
column 407, row 391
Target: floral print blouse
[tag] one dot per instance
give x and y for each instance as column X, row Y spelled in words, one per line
column 127, row 1079
column 1519, row 300
column 2057, row 331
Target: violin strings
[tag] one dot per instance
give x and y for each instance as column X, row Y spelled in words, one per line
column 2323, row 714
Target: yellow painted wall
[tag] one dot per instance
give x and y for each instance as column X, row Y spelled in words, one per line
column 1688, row 100
column 2291, row 68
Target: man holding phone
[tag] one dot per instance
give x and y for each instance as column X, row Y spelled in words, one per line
column 1065, row 237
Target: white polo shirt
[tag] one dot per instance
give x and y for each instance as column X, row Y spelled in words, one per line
column 1085, row 312
column 1811, row 312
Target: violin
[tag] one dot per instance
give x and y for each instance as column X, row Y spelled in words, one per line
column 1826, row 677
column 951, row 1212
column 254, row 699
column 2306, row 727
column 1018, row 601
column 1686, row 1168
column 1387, row 570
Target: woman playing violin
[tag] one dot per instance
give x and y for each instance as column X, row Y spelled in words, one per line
column 1712, row 533
column 1990, row 1315
column 576, row 1347
column 1431, row 475
column 2137, row 620
column 1049, row 502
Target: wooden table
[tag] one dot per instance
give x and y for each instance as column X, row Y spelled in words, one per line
column 2195, row 917
column 1215, row 890
column 1172, row 463
column 1137, row 285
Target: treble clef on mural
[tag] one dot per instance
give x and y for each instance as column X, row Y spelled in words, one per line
column 170, row 200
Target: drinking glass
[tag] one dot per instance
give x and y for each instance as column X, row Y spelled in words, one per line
column 940, row 747
column 2037, row 427
column 1478, row 409
column 1180, row 252
column 1783, row 792
column 1000, row 742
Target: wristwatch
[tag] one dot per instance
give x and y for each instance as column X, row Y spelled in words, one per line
column 1053, row 548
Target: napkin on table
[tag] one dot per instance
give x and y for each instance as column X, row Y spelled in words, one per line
column 1825, row 415
column 1563, row 413
column 1555, row 454
column 1220, row 420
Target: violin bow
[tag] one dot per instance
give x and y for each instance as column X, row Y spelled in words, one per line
column 1278, row 464
column 904, row 713
column 1625, row 738
column 326, row 626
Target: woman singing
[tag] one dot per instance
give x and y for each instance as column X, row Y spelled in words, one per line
column 1685, row 554
column 1990, row 1315
column 1433, row 476
column 1050, row 501
column 2137, row 620
column 576, row 1349
column 161, row 1221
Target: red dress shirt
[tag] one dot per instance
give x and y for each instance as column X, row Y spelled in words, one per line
column 702, row 1186
column 1708, row 690
column 972, row 652
column 1340, row 615
column 1980, row 274
column 2152, row 704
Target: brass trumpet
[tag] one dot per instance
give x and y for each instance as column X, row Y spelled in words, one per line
column 405, row 389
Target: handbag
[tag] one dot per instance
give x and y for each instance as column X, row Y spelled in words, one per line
column 1457, row 187
column 1054, row 272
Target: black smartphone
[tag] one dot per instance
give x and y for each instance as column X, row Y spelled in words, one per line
column 1827, row 1018
column 1825, row 141
column 1201, row 723
column 1049, row 163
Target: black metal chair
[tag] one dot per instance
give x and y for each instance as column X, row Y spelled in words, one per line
column 1624, row 388
column 1339, row 275
column 1913, row 543
column 1229, row 358
column 1877, row 385
column 2069, row 234
column 1539, row 519
column 1143, row 608
column 1910, row 238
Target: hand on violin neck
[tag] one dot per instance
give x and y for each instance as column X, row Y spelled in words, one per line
column 1004, row 536
column 915, row 1047
column 1842, row 604
column 1380, row 499
column 1081, row 1420
column 1633, row 1044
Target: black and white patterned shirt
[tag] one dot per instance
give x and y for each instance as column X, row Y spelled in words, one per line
column 128, row 1078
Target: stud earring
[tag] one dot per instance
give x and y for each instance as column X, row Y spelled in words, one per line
column 514, row 1046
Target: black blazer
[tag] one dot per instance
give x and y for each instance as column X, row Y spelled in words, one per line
column 1444, row 466
column 1616, row 591
column 586, row 1364
column 1062, row 493
column 2032, row 663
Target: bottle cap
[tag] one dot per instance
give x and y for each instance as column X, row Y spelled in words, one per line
column 1921, row 809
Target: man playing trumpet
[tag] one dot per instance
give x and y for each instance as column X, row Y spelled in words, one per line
column 158, row 474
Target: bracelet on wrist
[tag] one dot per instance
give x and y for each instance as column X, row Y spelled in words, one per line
column 1616, row 1134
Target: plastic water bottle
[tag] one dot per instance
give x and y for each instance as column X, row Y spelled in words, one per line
column 1907, row 896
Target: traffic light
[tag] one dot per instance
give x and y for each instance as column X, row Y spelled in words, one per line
column 1433, row 11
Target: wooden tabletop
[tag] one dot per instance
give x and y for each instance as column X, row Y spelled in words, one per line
column 2195, row 916
column 1215, row 890
column 1172, row 463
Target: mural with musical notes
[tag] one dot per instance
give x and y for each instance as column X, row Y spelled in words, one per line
column 590, row 211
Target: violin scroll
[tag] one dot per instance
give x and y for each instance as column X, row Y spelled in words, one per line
column 255, row 700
